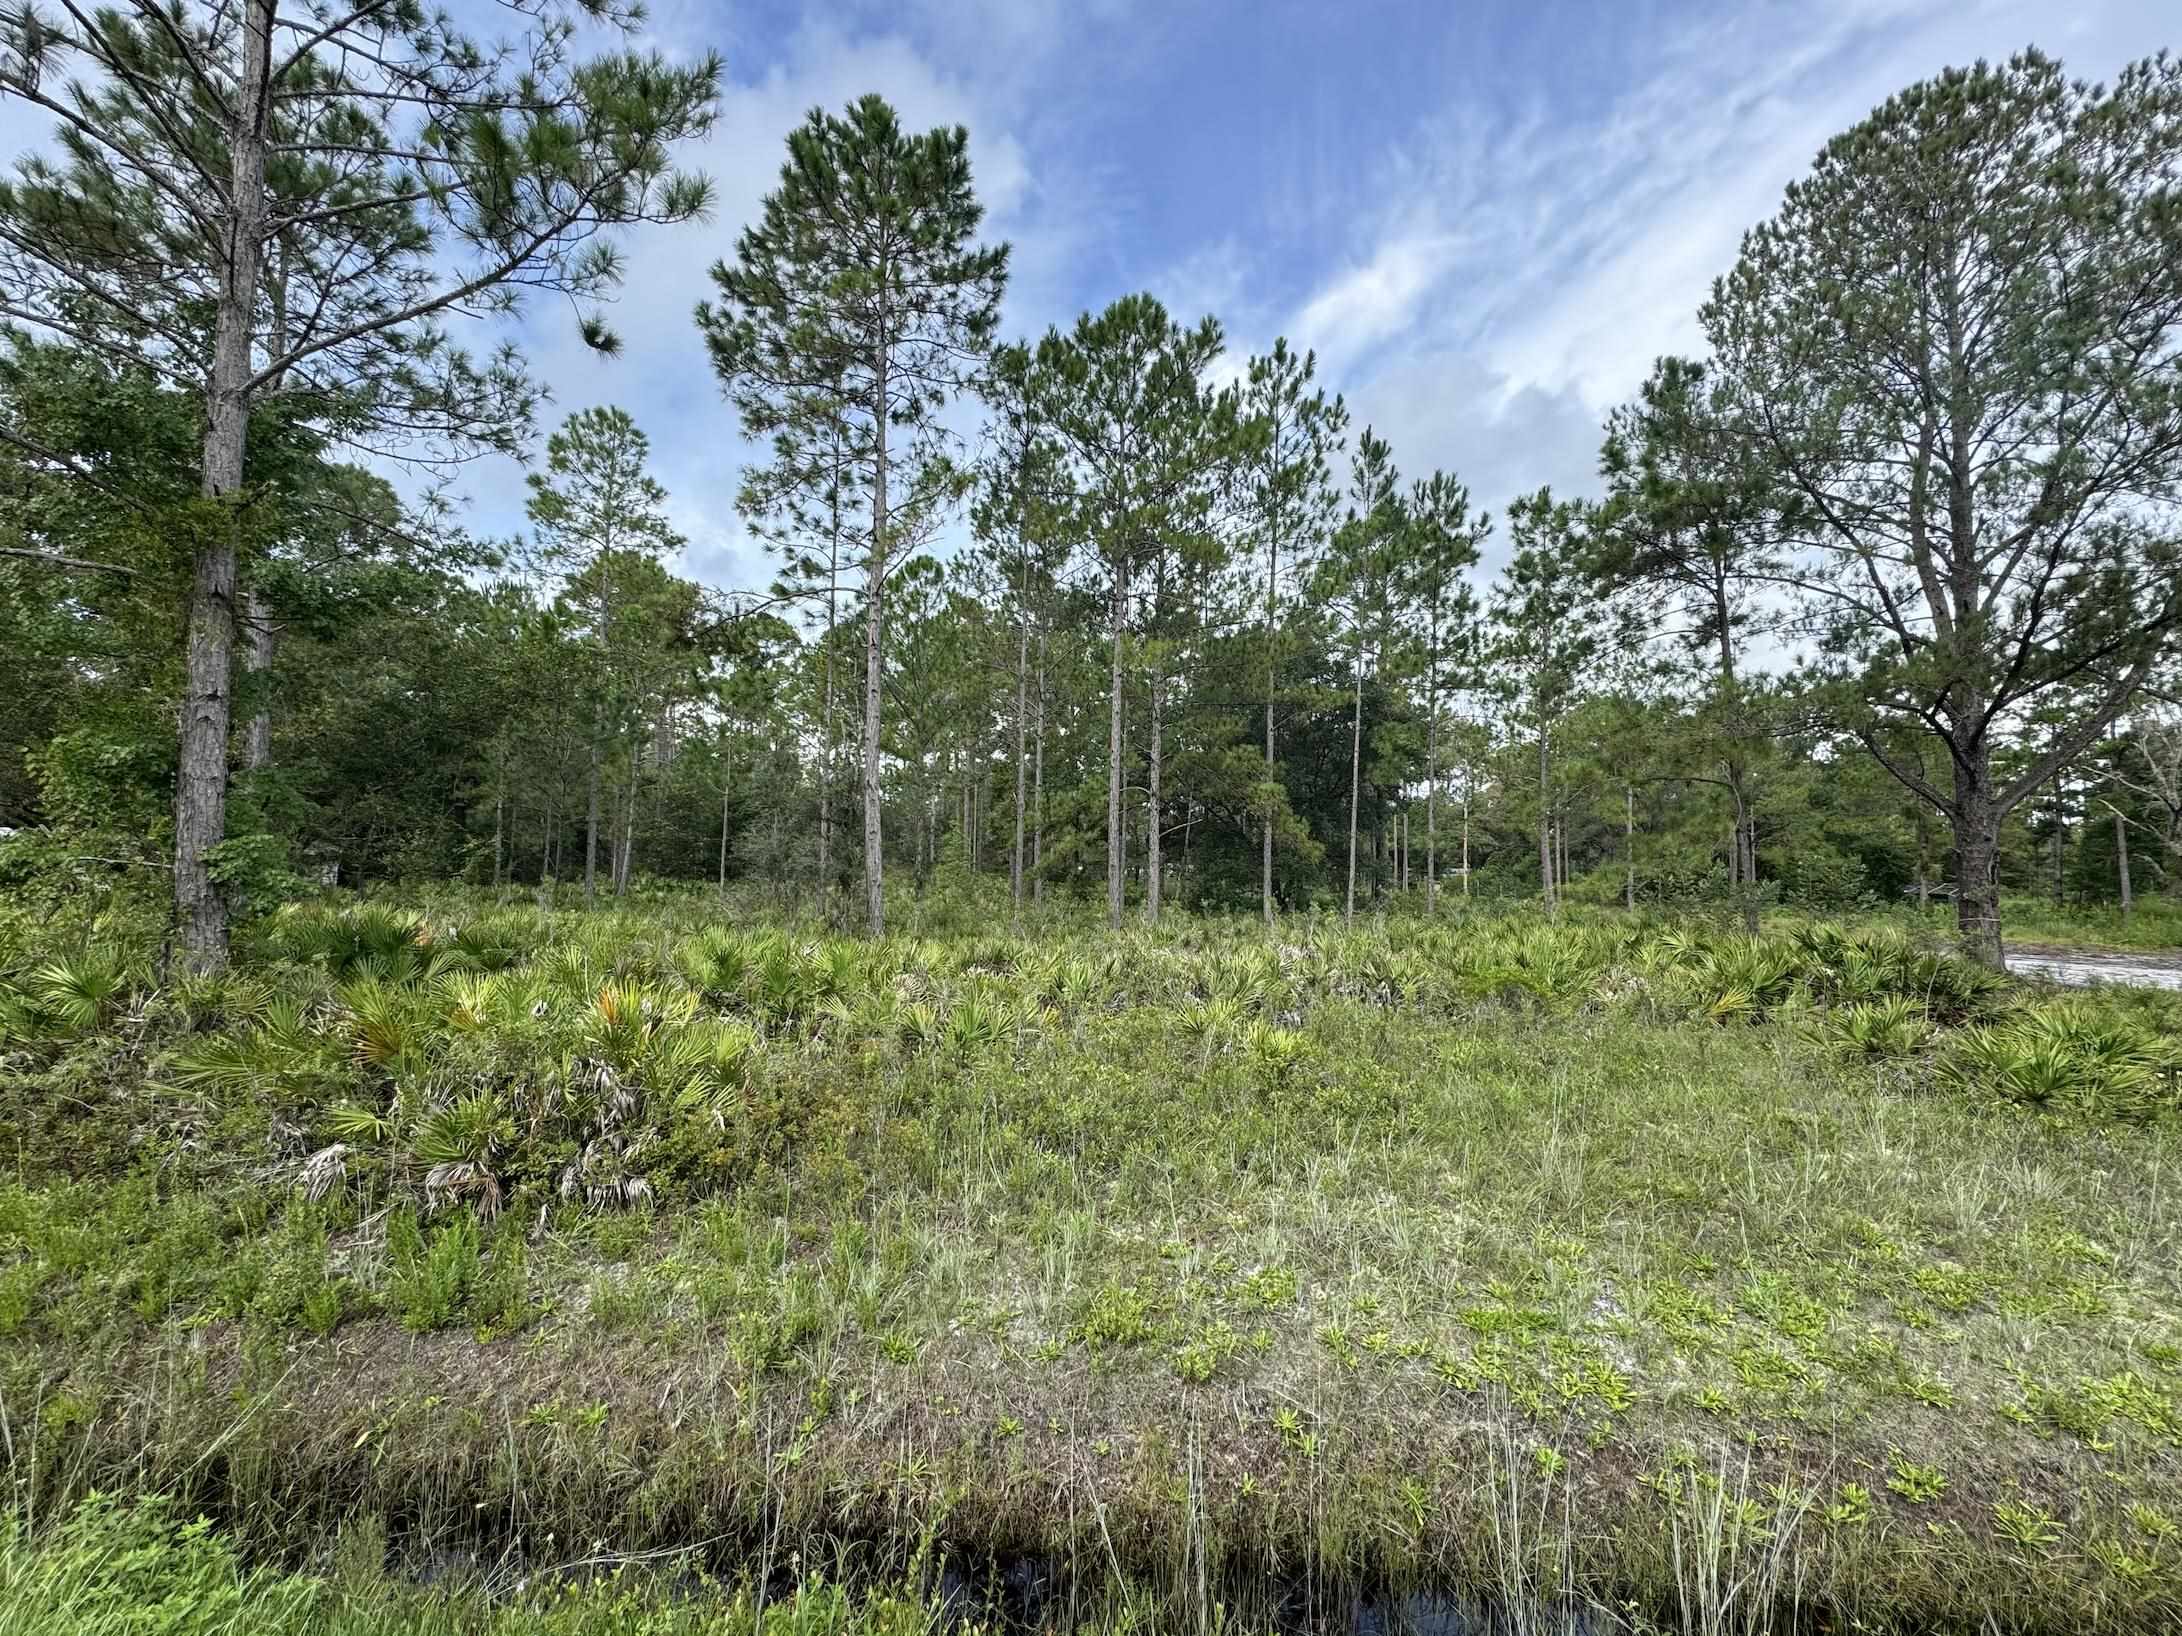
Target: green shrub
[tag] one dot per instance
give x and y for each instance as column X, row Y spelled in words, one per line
column 430, row 1277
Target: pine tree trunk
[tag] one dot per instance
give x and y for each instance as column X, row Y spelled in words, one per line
column 2060, row 851
column 1022, row 770
column 723, row 828
column 874, row 587
column 2121, row 861
column 1113, row 760
column 1154, row 849
column 1272, row 688
column 258, row 662
column 1628, row 846
column 1545, row 826
column 200, row 796
column 591, row 826
column 1038, row 783
column 1356, row 778
column 825, row 771
column 628, row 833
column 825, row 737
column 1976, row 822
column 1431, row 811
column 1749, row 827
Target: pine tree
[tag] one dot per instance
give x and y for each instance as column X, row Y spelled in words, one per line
column 1956, row 349
column 1442, row 545
column 859, row 301
column 1124, row 394
column 1360, row 582
column 1545, row 636
column 1292, row 434
column 601, row 520
column 1690, row 517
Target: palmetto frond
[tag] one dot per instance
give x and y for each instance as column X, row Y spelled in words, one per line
column 79, row 990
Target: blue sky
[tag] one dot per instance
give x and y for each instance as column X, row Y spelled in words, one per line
column 1487, row 216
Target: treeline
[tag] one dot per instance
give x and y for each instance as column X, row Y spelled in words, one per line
column 1877, row 600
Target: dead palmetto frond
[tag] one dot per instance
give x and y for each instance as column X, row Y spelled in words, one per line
column 601, row 1177
column 324, row 1171
column 459, row 1181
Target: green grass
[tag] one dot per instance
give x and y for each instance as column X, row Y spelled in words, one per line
column 1633, row 1261
column 143, row 1569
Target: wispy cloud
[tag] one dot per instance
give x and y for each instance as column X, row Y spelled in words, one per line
column 1521, row 260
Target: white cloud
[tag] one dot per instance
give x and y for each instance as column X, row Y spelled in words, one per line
column 1519, row 274
column 1370, row 303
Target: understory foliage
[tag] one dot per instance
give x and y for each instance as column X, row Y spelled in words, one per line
column 466, row 1058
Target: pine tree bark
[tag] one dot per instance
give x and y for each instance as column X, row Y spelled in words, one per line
column 2121, row 861
column 1154, row 858
column 874, row 588
column 258, row 662
column 200, row 797
column 1976, row 827
column 1356, row 778
column 1628, row 846
column 1545, row 826
column 1113, row 758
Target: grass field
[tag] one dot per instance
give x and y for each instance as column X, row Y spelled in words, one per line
column 1713, row 1283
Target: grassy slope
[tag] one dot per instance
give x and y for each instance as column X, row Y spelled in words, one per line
column 1514, row 1294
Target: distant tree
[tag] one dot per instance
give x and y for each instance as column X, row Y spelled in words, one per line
column 2148, row 765
column 1440, row 547
column 1690, row 519
column 1545, row 634
column 1025, row 551
column 860, row 303
column 1291, row 433
column 283, row 199
column 804, row 504
column 1956, row 349
column 1360, row 583
column 601, row 518
column 1124, row 395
